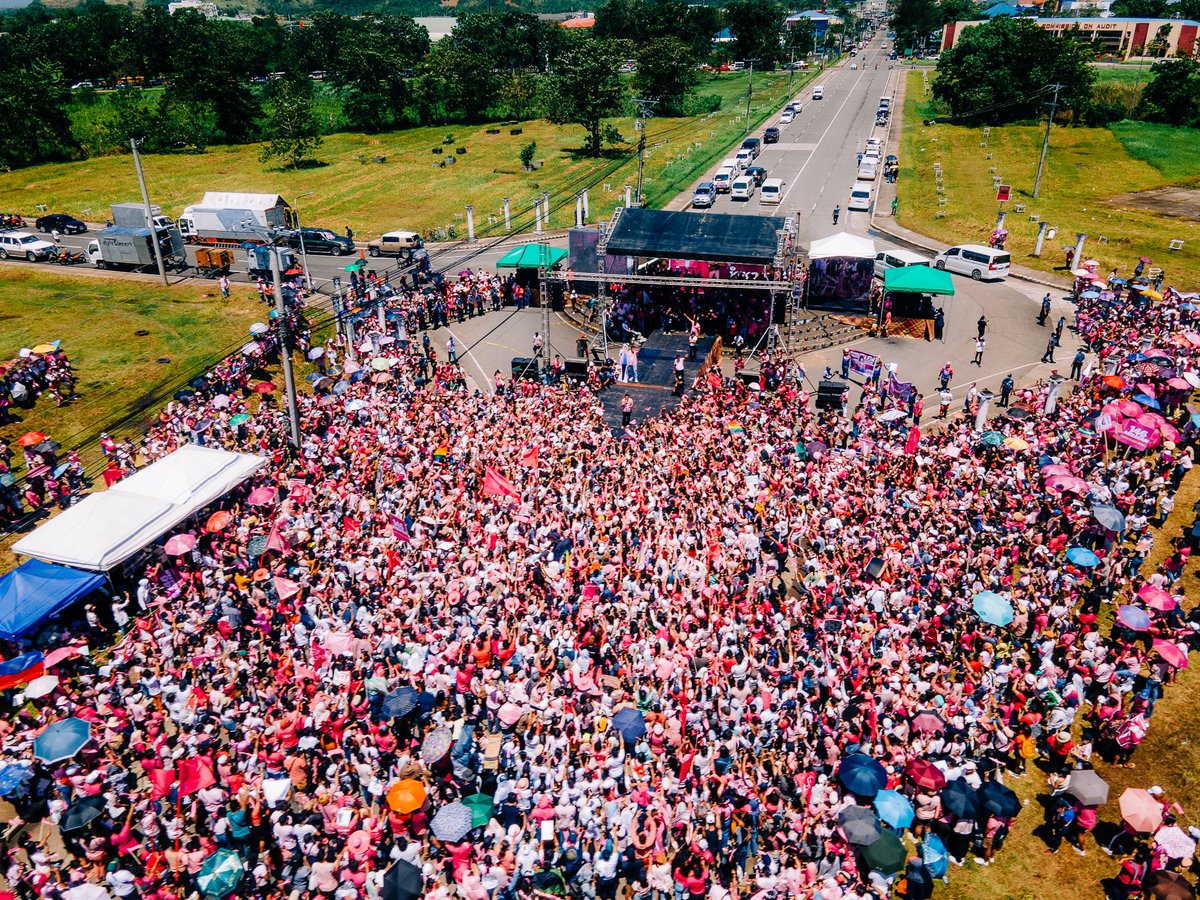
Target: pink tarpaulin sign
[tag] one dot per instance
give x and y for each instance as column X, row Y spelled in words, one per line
column 1134, row 434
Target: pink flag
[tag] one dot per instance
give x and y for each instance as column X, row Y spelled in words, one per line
column 914, row 438
column 399, row 529
column 529, row 459
column 275, row 540
column 497, row 485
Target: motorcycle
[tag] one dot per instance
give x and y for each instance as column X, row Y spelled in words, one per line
column 11, row 220
column 66, row 258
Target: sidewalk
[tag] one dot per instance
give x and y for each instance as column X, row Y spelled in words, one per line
column 885, row 223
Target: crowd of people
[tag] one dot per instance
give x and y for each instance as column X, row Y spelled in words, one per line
column 39, row 371
column 478, row 645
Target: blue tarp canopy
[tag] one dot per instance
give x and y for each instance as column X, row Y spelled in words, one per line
column 37, row 590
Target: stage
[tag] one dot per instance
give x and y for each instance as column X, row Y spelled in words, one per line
column 654, row 393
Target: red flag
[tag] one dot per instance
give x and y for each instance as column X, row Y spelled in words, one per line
column 529, row 459
column 275, row 540
column 351, row 524
column 497, row 485
column 194, row 775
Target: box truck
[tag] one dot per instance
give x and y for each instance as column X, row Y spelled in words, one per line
column 239, row 218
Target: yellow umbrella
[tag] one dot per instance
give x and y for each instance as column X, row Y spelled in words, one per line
column 1153, row 295
column 50, row 348
column 406, row 796
column 1016, row 443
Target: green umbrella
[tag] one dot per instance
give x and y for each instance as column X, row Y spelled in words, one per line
column 239, row 419
column 356, row 266
column 481, row 807
column 886, row 855
column 220, row 874
column 532, row 256
column 992, row 438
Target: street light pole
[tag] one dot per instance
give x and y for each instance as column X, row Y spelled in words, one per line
column 749, row 94
column 644, row 113
column 1037, row 182
column 285, row 347
column 137, row 164
column 300, row 231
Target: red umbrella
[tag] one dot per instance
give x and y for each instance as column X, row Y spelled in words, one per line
column 261, row 496
column 179, row 544
column 1172, row 654
column 264, row 387
column 29, row 438
column 923, row 773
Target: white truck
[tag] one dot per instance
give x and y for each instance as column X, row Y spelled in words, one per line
column 225, row 217
column 126, row 244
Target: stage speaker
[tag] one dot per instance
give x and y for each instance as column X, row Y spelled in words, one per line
column 575, row 369
column 829, row 394
column 526, row 367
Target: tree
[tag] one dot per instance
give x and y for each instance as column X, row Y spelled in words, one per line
column 666, row 71
column 293, row 134
column 801, row 37
column 913, row 21
column 587, row 88
column 958, row 11
column 33, row 107
column 1172, row 95
column 527, row 154
column 1000, row 72
column 755, row 25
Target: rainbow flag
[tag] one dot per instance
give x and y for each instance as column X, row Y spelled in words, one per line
column 441, row 452
column 737, row 428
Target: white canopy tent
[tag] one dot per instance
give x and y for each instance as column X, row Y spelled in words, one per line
column 843, row 244
column 105, row 529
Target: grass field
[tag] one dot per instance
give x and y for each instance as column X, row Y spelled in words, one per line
column 1086, row 168
column 117, row 371
column 408, row 189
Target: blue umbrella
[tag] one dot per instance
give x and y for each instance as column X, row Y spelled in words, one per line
column 894, row 809
column 1090, row 295
column 62, row 740
column 934, row 855
column 14, row 780
column 399, row 703
column 1083, row 557
column 1134, row 618
column 1136, row 358
column 992, row 608
column 220, row 874
column 862, row 775
column 992, row 438
column 960, row 800
column 630, row 723
column 1147, row 401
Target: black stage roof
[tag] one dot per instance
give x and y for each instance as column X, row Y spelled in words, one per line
column 713, row 237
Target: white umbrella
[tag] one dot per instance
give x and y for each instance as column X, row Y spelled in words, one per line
column 41, row 686
column 87, row 891
column 259, row 328
column 1175, row 842
column 892, row 415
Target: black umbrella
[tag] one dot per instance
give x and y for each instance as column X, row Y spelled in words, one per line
column 999, row 800
column 80, row 814
column 48, row 447
column 1017, row 412
column 403, row 881
column 184, row 395
column 960, row 799
column 199, row 382
column 399, row 703
column 859, row 825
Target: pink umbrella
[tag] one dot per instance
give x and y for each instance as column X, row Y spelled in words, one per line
column 350, row 367
column 1140, row 809
column 286, row 588
column 1056, row 469
column 1156, row 598
column 1192, row 338
column 1172, row 654
column 1068, row 484
column 54, row 657
column 1169, row 433
column 510, row 713
column 1147, row 389
column 179, row 544
column 1178, row 383
column 1129, row 408
column 1151, row 419
column 261, row 496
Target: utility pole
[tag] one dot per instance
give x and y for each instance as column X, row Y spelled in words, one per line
column 1037, row 182
column 792, row 62
column 749, row 94
column 137, row 164
column 644, row 113
column 285, row 347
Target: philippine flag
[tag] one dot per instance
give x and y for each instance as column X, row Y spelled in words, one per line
column 21, row 669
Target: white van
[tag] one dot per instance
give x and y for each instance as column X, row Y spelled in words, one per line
column 819, row 92
column 860, row 196
column 976, row 260
column 723, row 180
column 897, row 259
column 742, row 188
column 772, row 191
column 745, row 158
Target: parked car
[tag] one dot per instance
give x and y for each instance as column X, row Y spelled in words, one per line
column 396, row 243
column 705, row 195
column 758, row 173
column 61, row 223
column 320, row 240
column 771, row 135
column 976, row 260
column 23, row 245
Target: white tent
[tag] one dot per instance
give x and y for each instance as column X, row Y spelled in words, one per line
column 843, row 244
column 105, row 529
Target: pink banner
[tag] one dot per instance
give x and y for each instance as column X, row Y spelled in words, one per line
column 1134, row 434
column 863, row 363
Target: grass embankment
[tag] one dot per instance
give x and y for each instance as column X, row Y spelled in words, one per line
column 118, row 372
column 1085, row 170
column 408, row 189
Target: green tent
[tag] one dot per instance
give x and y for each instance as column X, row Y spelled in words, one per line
column 918, row 280
column 532, row 256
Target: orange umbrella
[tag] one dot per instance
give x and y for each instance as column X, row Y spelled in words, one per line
column 218, row 521
column 30, row 438
column 264, row 387
column 381, row 377
column 1115, row 381
column 406, row 796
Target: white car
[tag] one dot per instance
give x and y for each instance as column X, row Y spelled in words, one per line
column 854, row 67
column 23, row 245
column 976, row 260
column 860, row 196
column 786, row 117
column 742, row 189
